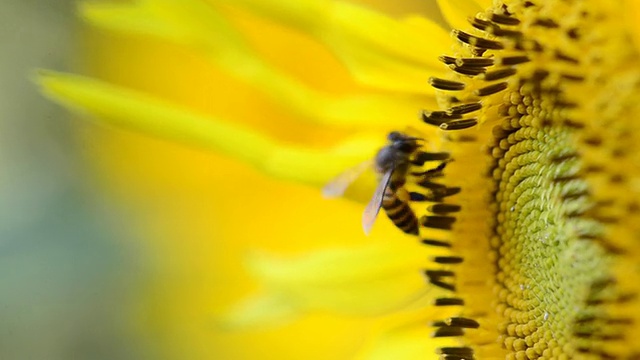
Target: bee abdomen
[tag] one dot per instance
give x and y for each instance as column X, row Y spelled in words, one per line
column 400, row 213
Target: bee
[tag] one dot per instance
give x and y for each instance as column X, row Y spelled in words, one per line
column 392, row 164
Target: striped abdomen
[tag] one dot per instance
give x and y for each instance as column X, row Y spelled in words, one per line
column 399, row 212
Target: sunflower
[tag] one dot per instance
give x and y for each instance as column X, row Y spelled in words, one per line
column 524, row 180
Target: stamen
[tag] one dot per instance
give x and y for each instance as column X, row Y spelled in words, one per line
column 447, row 259
column 459, row 125
column 478, row 42
column 443, row 84
column 438, row 117
column 475, row 62
column 513, row 60
column 444, row 208
column 462, row 322
column 493, row 29
column 498, row 74
column 435, row 278
column 491, row 89
column 564, row 57
column 448, row 331
column 464, row 109
column 462, row 351
column 436, row 243
column 469, row 71
column 548, row 23
column 504, row 19
column 438, row 222
column 448, row 302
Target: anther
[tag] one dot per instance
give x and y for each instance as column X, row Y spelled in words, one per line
column 492, row 28
column 445, row 193
column 448, row 331
column 495, row 30
column 443, row 84
column 548, row 23
column 448, row 302
column 447, row 259
column 459, row 124
column 469, row 71
column 513, row 60
column 479, row 24
column 438, row 222
column 448, row 60
column 464, row 108
column 455, row 357
column 443, row 208
column 435, row 278
column 455, row 350
column 437, row 243
column 474, row 62
column 435, row 274
column 462, row 322
column 478, row 41
column 571, row 77
column 504, row 19
column 498, row 74
column 491, row 89
column 564, row 57
column 437, row 117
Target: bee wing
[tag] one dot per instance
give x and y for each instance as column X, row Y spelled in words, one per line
column 337, row 186
column 373, row 208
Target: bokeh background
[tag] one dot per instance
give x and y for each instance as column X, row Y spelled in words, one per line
column 116, row 246
column 66, row 265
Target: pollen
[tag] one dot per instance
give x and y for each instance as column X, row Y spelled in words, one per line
column 540, row 102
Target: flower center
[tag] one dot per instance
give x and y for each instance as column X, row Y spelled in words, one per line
column 538, row 104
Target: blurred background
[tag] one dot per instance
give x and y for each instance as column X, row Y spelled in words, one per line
column 67, row 269
column 116, row 246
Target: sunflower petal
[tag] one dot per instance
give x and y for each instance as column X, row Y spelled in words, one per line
column 456, row 12
column 350, row 281
column 379, row 51
column 203, row 28
column 132, row 110
column 259, row 311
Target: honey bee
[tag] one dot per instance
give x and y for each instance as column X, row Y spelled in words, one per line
column 392, row 164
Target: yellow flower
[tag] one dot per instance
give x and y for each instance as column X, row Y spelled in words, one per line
column 533, row 101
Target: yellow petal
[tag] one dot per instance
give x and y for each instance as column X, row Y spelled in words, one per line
column 456, row 12
column 379, row 51
column 369, row 280
column 200, row 26
column 136, row 111
column 266, row 310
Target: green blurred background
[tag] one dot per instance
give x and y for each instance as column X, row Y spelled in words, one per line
column 66, row 275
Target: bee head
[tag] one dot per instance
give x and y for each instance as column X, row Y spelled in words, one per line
column 396, row 152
